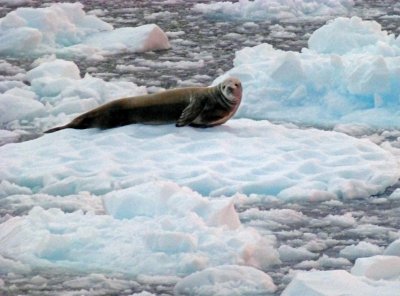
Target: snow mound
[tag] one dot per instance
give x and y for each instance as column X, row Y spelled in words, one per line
column 163, row 242
column 226, row 280
column 274, row 9
column 337, row 282
column 347, row 75
column 65, row 29
column 246, row 156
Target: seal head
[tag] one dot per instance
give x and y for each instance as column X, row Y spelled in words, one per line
column 219, row 105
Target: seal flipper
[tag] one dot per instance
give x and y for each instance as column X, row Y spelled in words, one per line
column 190, row 113
column 54, row 129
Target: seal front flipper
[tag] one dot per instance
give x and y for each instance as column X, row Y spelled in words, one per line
column 191, row 112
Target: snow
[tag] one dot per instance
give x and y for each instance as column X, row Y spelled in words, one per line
column 66, row 30
column 274, row 9
column 347, row 75
column 226, row 280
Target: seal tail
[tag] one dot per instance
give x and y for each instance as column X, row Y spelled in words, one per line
column 54, row 129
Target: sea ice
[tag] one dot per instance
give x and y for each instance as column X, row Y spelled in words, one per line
column 56, row 94
column 378, row 267
column 393, row 249
column 362, row 249
column 274, row 9
column 245, row 156
column 347, row 75
column 65, row 29
column 338, row 282
column 195, row 236
column 226, row 280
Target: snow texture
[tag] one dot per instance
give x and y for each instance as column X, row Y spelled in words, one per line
column 274, row 9
column 348, row 74
column 65, row 29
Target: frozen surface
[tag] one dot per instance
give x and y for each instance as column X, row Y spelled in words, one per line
column 174, row 231
column 97, row 191
column 274, row 9
column 251, row 157
column 338, row 282
column 65, row 29
column 226, row 280
column 347, row 75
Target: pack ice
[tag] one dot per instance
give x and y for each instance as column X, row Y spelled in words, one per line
column 66, row 30
column 159, row 201
column 274, row 9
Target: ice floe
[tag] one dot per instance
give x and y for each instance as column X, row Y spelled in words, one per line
column 66, row 30
column 246, row 156
column 348, row 74
column 226, row 280
column 156, row 228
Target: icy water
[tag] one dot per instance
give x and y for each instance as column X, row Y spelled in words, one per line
column 208, row 46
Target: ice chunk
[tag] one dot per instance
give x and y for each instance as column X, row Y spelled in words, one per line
column 348, row 75
column 226, row 280
column 362, row 249
column 65, row 29
column 162, row 198
column 288, row 253
column 57, row 89
column 393, row 249
column 337, row 282
column 378, row 267
column 347, row 35
column 19, row 107
column 140, row 39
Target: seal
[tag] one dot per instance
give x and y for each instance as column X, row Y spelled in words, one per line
column 193, row 106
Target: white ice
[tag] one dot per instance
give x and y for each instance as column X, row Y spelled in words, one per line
column 159, row 201
column 156, row 228
column 250, row 157
column 274, row 9
column 66, row 30
column 347, row 75
column 226, row 280
column 371, row 275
